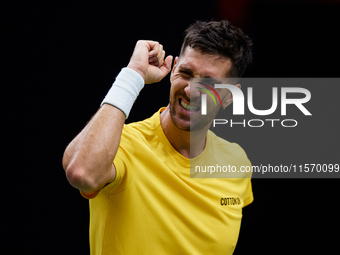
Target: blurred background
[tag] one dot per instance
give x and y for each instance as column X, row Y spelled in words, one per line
column 61, row 57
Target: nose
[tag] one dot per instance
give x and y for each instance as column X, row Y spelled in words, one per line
column 191, row 90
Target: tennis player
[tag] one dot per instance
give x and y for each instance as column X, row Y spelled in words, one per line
column 137, row 176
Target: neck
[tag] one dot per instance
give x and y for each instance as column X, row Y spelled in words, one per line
column 188, row 144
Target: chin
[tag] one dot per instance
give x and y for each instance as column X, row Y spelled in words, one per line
column 193, row 124
column 181, row 124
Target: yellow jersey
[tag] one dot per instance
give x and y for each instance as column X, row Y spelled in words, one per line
column 154, row 206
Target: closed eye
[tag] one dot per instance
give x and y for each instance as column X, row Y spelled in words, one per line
column 185, row 72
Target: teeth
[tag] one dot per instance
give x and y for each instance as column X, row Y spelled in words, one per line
column 189, row 107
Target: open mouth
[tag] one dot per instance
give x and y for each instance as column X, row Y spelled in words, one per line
column 189, row 107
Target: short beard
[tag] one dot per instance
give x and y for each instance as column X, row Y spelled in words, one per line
column 172, row 115
column 203, row 121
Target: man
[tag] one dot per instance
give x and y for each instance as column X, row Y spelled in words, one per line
column 145, row 201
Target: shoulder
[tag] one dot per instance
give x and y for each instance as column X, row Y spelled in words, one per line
column 220, row 145
column 145, row 127
column 141, row 132
column 229, row 157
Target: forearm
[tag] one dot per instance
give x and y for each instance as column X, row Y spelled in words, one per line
column 88, row 158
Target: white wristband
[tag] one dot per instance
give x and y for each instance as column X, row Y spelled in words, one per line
column 124, row 90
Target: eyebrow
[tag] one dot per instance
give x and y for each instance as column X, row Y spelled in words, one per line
column 185, row 69
column 188, row 70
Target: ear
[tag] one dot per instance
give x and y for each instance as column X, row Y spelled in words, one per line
column 173, row 68
column 228, row 99
column 175, row 64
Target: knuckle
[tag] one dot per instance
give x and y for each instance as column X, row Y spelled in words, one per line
column 139, row 42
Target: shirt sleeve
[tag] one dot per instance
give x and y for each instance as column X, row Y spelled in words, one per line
column 249, row 197
column 120, row 161
column 120, row 171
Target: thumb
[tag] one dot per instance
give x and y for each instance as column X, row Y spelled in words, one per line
column 156, row 74
column 166, row 66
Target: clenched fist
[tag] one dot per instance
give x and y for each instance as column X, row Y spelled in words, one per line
column 148, row 60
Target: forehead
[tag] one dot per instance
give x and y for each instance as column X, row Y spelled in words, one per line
column 204, row 65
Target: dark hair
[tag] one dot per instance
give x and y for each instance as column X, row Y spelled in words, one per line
column 220, row 38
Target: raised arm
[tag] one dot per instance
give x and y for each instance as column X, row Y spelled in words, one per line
column 88, row 159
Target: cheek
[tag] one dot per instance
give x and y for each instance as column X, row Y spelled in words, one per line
column 212, row 107
column 174, row 90
column 178, row 83
column 226, row 96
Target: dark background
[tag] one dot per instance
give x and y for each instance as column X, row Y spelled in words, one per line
column 61, row 57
